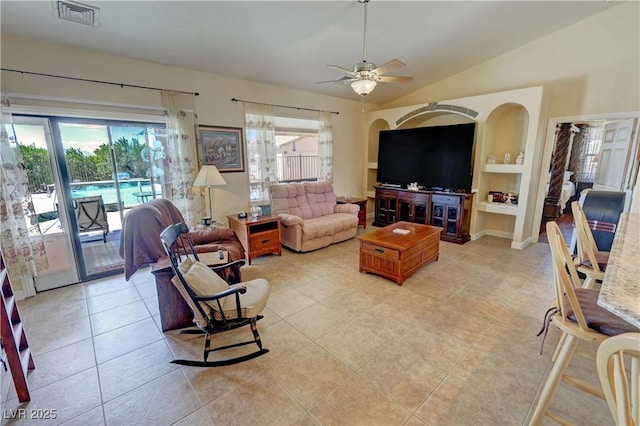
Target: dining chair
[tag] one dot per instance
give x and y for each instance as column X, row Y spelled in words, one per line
column 621, row 388
column 590, row 260
column 576, row 314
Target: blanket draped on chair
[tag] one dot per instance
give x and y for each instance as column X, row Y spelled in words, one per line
column 140, row 242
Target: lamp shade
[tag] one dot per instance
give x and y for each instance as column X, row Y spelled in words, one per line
column 209, row 176
column 363, row 87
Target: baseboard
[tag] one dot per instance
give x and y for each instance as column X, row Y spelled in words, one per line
column 19, row 295
column 501, row 234
column 521, row 245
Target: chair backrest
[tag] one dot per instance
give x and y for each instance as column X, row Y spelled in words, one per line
column 91, row 214
column 622, row 394
column 565, row 276
column 178, row 245
column 587, row 248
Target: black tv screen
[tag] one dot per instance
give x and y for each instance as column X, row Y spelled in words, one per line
column 437, row 157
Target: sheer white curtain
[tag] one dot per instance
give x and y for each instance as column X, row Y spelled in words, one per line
column 181, row 164
column 21, row 241
column 325, row 147
column 261, row 151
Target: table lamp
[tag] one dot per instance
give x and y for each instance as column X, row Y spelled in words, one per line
column 209, row 176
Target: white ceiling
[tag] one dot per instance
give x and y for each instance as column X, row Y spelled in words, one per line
column 289, row 43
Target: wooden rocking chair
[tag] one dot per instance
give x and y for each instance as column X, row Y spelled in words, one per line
column 217, row 306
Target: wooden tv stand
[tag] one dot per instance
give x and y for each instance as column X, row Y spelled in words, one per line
column 449, row 210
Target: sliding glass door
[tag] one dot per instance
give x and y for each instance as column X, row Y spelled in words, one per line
column 37, row 147
column 99, row 170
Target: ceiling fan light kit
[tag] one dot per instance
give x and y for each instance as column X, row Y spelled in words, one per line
column 363, row 87
column 366, row 75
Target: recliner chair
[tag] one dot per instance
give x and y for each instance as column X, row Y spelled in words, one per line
column 140, row 242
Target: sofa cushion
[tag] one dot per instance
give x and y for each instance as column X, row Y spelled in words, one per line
column 328, row 225
column 320, row 197
column 290, row 198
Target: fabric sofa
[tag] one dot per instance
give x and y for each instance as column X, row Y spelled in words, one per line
column 310, row 217
column 140, row 242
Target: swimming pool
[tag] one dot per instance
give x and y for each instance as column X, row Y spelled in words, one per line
column 107, row 189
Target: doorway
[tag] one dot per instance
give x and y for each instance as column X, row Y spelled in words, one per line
column 582, row 153
column 84, row 175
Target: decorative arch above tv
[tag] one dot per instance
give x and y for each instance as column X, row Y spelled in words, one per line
column 511, row 121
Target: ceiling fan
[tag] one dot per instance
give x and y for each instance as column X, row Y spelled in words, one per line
column 366, row 75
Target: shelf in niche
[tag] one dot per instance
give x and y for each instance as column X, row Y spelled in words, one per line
column 499, row 208
column 372, row 165
column 503, row 168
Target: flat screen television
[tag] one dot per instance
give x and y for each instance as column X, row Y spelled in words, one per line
column 437, row 157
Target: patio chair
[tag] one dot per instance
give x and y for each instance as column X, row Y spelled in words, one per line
column 91, row 215
column 217, row 306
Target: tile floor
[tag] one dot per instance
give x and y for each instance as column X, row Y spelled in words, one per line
column 455, row 345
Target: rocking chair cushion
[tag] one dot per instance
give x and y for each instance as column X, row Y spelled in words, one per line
column 252, row 302
column 203, row 281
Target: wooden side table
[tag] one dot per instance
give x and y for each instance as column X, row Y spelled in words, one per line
column 362, row 214
column 258, row 236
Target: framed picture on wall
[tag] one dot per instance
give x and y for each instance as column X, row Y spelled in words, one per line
column 221, row 147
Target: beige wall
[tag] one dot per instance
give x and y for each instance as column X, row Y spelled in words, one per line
column 213, row 106
column 591, row 67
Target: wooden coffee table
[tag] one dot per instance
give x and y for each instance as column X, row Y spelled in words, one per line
column 396, row 256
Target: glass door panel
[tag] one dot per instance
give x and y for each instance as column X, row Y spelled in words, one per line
column 111, row 167
column 37, row 146
column 420, row 212
column 404, row 211
column 93, row 198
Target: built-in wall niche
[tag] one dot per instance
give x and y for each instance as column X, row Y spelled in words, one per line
column 500, row 225
column 372, row 155
column 502, row 182
column 374, row 135
column 505, row 132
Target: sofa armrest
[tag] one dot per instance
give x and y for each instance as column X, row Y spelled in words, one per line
column 347, row 208
column 290, row 220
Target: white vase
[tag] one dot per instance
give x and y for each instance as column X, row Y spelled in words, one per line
column 256, row 212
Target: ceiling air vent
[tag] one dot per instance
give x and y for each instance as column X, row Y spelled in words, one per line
column 78, row 12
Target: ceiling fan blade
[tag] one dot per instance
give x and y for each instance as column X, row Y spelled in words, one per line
column 344, row 79
column 393, row 64
column 344, row 70
column 394, row 79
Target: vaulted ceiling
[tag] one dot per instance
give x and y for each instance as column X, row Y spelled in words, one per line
column 290, row 43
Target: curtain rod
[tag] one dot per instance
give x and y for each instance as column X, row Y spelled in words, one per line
column 285, row 106
column 95, row 81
